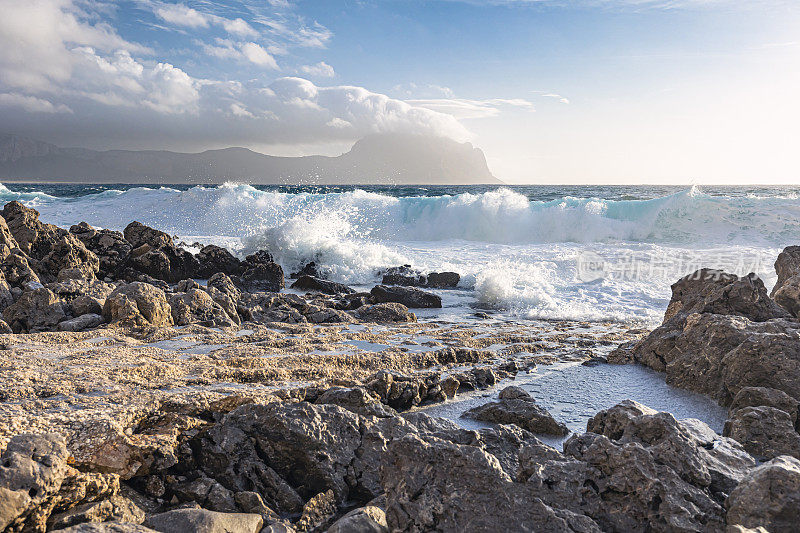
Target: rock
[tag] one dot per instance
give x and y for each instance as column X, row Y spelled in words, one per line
column 768, row 496
column 154, row 254
column 68, row 254
column 443, row 280
column 36, row 310
column 207, row 493
column 139, row 304
column 357, row 400
column 251, row 502
column 520, row 411
column 110, row 247
column 215, row 259
column 758, row 396
column 317, row 512
column 310, row 283
column 137, row 234
column 203, row 521
column 788, row 295
column 224, row 284
column 786, row 265
column 83, row 305
column 107, row 527
column 309, row 269
column 690, row 290
column 260, row 257
column 386, row 312
column 5, row 328
column 612, row 422
column 198, row 307
column 433, row 485
column 765, row 432
column 367, row 519
column 6, row 296
column 80, row 323
column 117, row 508
column 261, row 277
column 7, row 240
column 32, row 469
column 17, row 269
column 408, row 296
column 512, row 392
column 404, row 275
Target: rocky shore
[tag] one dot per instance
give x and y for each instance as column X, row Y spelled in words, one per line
column 137, row 399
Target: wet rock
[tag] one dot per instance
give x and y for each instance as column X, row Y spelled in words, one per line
column 309, row 269
column 137, row 234
column 116, row 508
column 367, row 519
column 139, row 304
column 357, row 400
column 327, row 315
column 765, row 432
column 215, row 259
column 404, row 275
column 317, row 512
column 612, row 422
column 408, row 296
column 520, row 411
column 310, row 283
column 443, row 280
column 261, row 277
column 198, row 307
column 769, row 497
column 36, row 310
column 155, row 254
column 260, row 257
column 786, row 265
column 758, row 396
column 403, row 392
column 110, row 247
column 420, row 497
column 81, row 323
column 203, row 521
column 385, row 312
column 32, row 469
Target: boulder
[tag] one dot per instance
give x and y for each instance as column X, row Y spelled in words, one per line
column 68, row 254
column 82, row 322
column 110, row 247
column 107, row 527
column 224, row 284
column 612, row 422
column 261, row 277
column 514, row 408
column 788, row 295
column 786, row 265
column 36, row 310
column 758, row 396
column 690, row 290
column 138, row 304
column 204, row 521
column 408, row 296
column 768, row 496
column 6, row 297
column 259, row 257
column 404, row 275
column 312, row 284
column 116, row 508
column 17, row 269
column 197, row 307
column 765, row 432
column 317, row 512
column 137, row 234
column 385, row 312
column 205, row 492
column 443, row 280
column 357, row 400
column 213, row 259
column 155, row 254
column 367, row 519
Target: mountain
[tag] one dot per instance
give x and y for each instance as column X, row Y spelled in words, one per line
column 394, row 159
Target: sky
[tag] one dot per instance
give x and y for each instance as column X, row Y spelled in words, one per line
column 553, row 91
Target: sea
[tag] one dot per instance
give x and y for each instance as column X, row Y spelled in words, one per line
column 587, row 253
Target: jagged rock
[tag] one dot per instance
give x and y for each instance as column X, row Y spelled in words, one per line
column 215, row 259
column 357, row 400
column 138, row 234
column 404, row 275
column 251, row 502
column 260, row 257
column 317, row 512
column 788, row 295
column 266, row 307
column 138, row 303
column 261, row 277
column 32, row 236
column 309, row 269
column 155, row 254
column 7, row 240
column 203, row 521
column 786, row 265
column 198, row 307
column 107, row 527
column 765, row 432
column 207, row 493
column 367, row 519
column 310, row 283
column 185, row 285
column 68, row 254
column 612, row 422
column 514, row 408
column 768, row 496
column 224, row 284
column 5, row 328
column 110, row 247
column 408, row 296
column 36, row 310
column 443, row 280
column 17, row 269
column 690, row 290
column 6, row 297
column 758, row 396
column 466, row 490
column 32, row 469
column 386, row 312
column 82, row 322
column 117, row 508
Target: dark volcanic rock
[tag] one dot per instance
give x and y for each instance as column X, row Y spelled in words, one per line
column 408, row 296
column 517, row 407
column 110, row 247
column 261, row 277
column 213, row 259
column 310, row 283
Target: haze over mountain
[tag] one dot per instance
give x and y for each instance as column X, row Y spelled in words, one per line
column 376, row 159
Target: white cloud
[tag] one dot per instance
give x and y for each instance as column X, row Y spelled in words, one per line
column 239, row 27
column 248, row 51
column 182, row 15
column 558, row 97
column 257, row 55
column 238, row 110
column 318, row 70
column 171, row 90
column 32, row 104
column 463, row 108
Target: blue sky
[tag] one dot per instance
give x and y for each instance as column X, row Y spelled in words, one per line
column 627, row 91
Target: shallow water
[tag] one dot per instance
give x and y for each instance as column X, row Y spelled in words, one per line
column 573, row 393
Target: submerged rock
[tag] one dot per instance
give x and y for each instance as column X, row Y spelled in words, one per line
column 408, row 296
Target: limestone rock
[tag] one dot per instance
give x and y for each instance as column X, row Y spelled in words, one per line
column 786, row 265
column 36, row 310
column 612, row 422
column 317, row 512
column 203, row 521
column 385, row 312
column 357, row 400
column 262, row 277
column 213, row 259
column 138, row 303
column 758, row 396
column 198, row 307
column 138, row 234
column 82, row 322
column 117, row 508
column 17, row 269
column 769, row 496
column 367, row 519
column 110, row 247
column 310, row 283
column 408, row 296
column 765, row 432
column 107, row 527
column 521, row 411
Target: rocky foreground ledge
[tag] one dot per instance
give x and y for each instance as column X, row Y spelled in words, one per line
column 104, row 429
